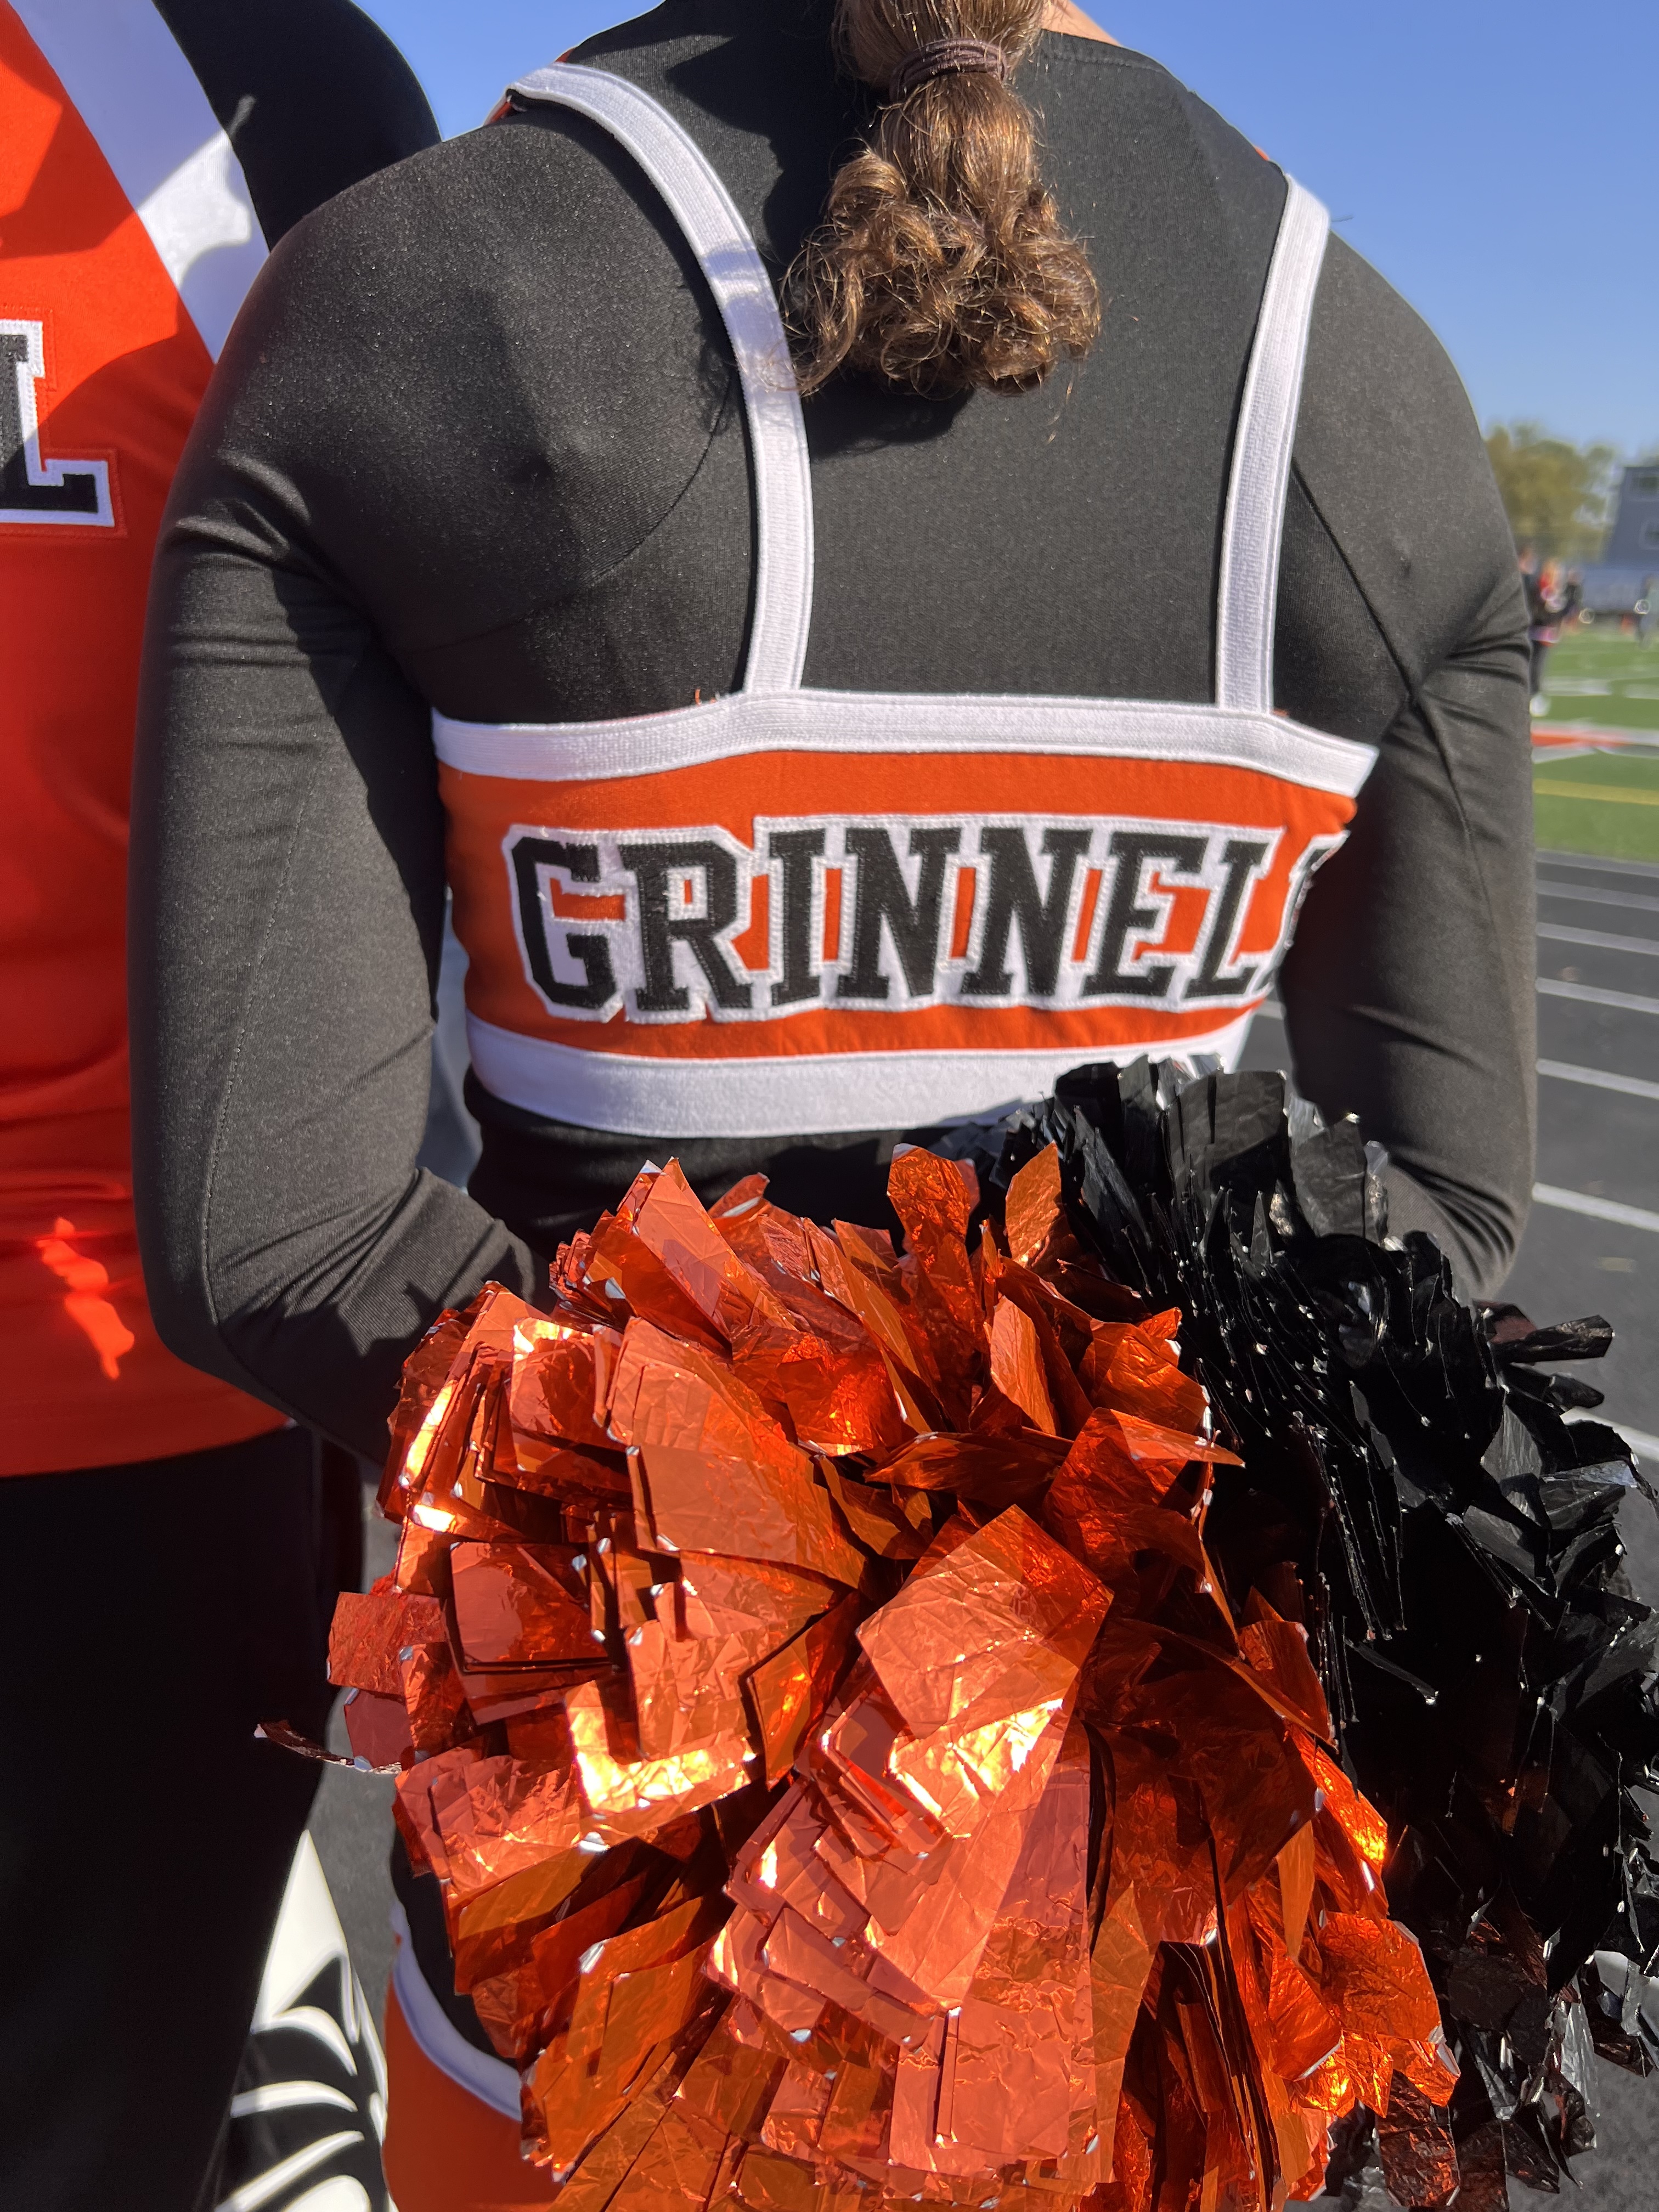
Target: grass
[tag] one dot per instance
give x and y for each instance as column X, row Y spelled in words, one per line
column 1598, row 676
column 1570, row 817
column 1601, row 677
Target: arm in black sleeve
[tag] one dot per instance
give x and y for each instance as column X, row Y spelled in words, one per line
column 1409, row 993
column 314, row 95
column 287, row 907
column 333, row 552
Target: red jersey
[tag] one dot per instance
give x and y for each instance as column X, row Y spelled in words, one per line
column 126, row 242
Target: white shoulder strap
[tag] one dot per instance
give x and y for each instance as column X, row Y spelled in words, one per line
column 720, row 239
column 1247, row 601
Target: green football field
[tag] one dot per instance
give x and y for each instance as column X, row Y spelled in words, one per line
column 1602, row 802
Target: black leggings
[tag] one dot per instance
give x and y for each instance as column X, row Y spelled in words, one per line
column 152, row 1614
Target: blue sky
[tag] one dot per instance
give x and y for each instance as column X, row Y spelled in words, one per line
column 1498, row 162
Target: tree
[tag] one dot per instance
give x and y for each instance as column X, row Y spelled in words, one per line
column 1556, row 495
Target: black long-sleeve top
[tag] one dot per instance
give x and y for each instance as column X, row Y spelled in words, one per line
column 475, row 444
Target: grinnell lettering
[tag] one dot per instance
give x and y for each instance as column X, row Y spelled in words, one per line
column 892, row 913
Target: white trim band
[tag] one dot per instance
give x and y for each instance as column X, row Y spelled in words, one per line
column 810, row 1093
column 490, row 2080
column 903, row 722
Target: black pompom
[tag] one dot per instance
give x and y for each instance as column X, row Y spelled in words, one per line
column 1455, row 1540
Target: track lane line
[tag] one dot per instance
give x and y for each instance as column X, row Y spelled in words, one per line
column 1559, row 933
column 1600, row 864
column 1595, row 1078
column 1599, row 1079
column 1592, row 894
column 1588, row 994
column 1644, row 1446
column 1598, row 1209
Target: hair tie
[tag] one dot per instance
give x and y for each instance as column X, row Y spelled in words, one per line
column 947, row 57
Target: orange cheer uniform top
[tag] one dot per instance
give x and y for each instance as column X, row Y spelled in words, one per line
column 127, row 242
column 791, row 910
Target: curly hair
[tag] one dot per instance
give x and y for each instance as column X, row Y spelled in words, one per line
column 940, row 264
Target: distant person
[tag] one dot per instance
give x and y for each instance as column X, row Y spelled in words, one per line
column 1647, row 610
column 168, row 1563
column 1543, row 619
column 1572, row 598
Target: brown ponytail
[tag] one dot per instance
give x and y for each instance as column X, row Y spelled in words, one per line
column 940, row 264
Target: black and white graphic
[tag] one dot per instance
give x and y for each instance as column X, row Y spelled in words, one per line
column 571, row 968
column 888, row 913
column 309, row 2108
column 32, row 488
